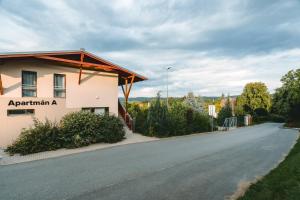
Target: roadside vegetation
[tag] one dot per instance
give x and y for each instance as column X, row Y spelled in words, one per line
column 190, row 114
column 225, row 112
column 282, row 106
column 183, row 116
column 76, row 129
column 282, row 183
column 286, row 100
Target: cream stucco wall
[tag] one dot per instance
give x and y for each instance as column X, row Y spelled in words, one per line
column 97, row 89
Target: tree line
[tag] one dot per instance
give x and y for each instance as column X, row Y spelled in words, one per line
column 190, row 114
column 255, row 100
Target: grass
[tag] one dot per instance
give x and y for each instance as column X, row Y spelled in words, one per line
column 282, row 183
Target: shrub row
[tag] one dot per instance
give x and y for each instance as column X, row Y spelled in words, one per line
column 76, row 129
column 162, row 121
column 257, row 119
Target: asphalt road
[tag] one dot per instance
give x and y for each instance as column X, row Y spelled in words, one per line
column 205, row 166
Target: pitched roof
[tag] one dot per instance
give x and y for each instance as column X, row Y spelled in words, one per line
column 80, row 59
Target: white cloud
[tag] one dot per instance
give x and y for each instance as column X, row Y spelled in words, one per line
column 213, row 46
column 208, row 75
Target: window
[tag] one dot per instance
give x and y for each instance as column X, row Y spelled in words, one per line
column 99, row 110
column 20, row 112
column 60, row 85
column 29, row 84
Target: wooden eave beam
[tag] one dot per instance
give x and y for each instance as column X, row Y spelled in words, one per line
column 24, row 55
column 123, row 91
column 82, row 64
column 115, row 66
column 80, row 72
column 127, row 89
column 131, row 83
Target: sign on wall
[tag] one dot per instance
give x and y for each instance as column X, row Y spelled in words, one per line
column 31, row 103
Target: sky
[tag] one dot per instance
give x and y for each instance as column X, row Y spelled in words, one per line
column 212, row 47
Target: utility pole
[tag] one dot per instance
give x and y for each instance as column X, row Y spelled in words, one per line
column 168, row 86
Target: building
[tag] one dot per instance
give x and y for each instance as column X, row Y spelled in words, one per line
column 51, row 84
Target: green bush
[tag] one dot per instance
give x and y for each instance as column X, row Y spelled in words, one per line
column 240, row 120
column 177, row 119
column 43, row 136
column 110, row 129
column 157, row 123
column 74, row 130
column 162, row 121
column 139, row 115
column 84, row 128
column 201, row 123
column 260, row 119
column 277, row 118
column 224, row 113
column 261, row 112
column 80, row 129
column 257, row 119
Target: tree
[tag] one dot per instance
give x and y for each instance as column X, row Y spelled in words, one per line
column 255, row 96
column 177, row 118
column 286, row 100
column 195, row 103
column 224, row 113
column 138, row 111
column 239, row 108
column 157, row 117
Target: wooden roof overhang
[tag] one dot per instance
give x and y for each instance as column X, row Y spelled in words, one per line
column 78, row 59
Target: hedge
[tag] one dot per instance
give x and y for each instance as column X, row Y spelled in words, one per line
column 76, row 129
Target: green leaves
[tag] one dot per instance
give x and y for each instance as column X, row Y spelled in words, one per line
column 255, row 95
column 75, row 130
column 43, row 136
column 84, row 128
column 224, row 113
column 160, row 121
column 286, row 100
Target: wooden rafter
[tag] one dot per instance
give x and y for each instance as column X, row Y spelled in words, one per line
column 131, row 83
column 79, row 63
column 123, row 90
column 127, row 89
column 1, row 86
column 79, row 79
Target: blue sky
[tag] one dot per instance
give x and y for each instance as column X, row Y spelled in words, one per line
column 213, row 46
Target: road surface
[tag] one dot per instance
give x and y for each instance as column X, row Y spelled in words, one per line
column 207, row 166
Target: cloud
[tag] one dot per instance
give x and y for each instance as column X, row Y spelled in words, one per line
column 213, row 46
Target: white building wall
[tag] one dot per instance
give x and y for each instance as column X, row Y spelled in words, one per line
column 97, row 89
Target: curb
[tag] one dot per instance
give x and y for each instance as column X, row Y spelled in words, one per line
column 3, row 163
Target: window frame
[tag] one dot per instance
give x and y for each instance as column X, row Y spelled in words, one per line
column 26, row 112
column 22, row 87
column 92, row 109
column 65, row 85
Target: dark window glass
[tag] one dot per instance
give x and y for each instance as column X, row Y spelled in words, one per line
column 60, row 85
column 29, row 84
column 97, row 110
column 20, row 112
